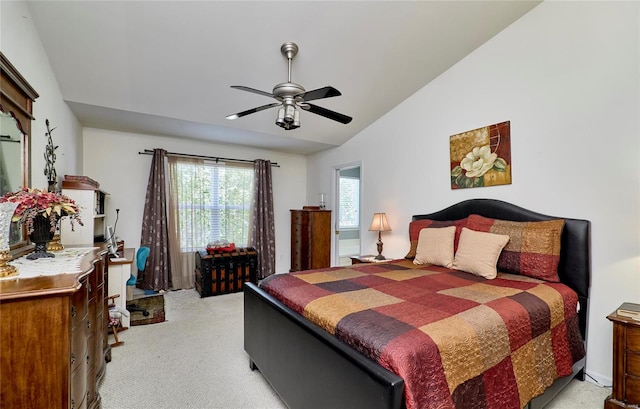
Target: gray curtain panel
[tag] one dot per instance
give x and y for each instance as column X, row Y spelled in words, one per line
column 155, row 228
column 263, row 236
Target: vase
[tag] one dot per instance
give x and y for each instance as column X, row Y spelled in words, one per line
column 6, row 212
column 40, row 236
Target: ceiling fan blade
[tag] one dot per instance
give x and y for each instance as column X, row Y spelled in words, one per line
column 255, row 91
column 327, row 113
column 325, row 92
column 252, row 111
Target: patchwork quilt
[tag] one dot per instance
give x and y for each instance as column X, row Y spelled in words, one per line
column 458, row 340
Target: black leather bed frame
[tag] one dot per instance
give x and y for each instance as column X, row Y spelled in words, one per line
column 309, row 368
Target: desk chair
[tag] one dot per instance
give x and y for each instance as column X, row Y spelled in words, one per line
column 141, row 264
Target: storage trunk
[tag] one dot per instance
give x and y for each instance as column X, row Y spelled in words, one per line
column 225, row 272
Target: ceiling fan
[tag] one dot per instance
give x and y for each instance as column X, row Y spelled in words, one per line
column 291, row 96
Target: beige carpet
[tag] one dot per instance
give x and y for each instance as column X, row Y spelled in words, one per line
column 196, row 360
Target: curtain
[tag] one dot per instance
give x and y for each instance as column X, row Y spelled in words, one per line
column 156, row 276
column 183, row 258
column 262, row 223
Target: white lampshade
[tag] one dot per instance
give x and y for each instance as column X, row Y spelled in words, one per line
column 379, row 223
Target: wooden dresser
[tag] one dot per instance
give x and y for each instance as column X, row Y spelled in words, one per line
column 626, row 363
column 310, row 239
column 53, row 338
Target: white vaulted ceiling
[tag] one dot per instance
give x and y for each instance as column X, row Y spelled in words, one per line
column 165, row 67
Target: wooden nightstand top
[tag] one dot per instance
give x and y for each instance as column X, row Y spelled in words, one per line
column 370, row 258
column 615, row 317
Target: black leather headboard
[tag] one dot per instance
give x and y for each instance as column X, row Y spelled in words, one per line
column 574, row 268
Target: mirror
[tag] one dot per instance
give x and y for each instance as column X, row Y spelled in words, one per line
column 11, row 138
column 10, row 154
column 16, row 114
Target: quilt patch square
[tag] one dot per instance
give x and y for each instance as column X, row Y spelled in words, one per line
column 454, row 335
column 491, row 333
column 400, row 275
column 480, row 292
column 373, row 337
column 516, row 319
column 413, row 314
column 538, row 310
column 341, row 286
column 329, row 275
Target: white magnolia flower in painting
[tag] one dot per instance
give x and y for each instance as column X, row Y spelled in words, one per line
column 478, row 162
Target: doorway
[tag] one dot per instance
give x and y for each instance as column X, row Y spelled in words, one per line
column 347, row 220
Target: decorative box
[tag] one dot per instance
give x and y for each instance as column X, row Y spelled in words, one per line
column 225, row 272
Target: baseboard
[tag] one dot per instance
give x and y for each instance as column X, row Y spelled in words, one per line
column 599, row 379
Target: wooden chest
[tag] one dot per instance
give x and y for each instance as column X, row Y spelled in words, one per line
column 225, row 272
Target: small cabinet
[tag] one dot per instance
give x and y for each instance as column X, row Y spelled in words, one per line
column 91, row 202
column 626, row 363
column 310, row 239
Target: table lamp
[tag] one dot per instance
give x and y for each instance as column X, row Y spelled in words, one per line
column 379, row 224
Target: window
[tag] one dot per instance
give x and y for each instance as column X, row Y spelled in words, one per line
column 213, row 203
column 349, row 203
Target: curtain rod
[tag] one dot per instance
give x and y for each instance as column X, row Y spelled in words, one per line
column 215, row 158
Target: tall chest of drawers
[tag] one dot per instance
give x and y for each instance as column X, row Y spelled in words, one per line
column 53, row 338
column 626, row 363
column 310, row 239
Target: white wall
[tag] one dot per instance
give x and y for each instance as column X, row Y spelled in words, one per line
column 20, row 43
column 112, row 159
column 567, row 77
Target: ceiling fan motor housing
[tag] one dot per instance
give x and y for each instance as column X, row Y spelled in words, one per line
column 287, row 90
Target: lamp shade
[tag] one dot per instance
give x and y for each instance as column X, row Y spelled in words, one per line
column 379, row 223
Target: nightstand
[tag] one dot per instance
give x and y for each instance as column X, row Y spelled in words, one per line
column 365, row 259
column 626, row 363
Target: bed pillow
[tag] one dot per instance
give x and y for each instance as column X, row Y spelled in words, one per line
column 435, row 246
column 534, row 248
column 417, row 225
column 478, row 252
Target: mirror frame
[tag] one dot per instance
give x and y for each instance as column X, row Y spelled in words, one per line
column 16, row 98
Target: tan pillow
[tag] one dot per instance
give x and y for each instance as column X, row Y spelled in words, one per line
column 478, row 252
column 435, row 246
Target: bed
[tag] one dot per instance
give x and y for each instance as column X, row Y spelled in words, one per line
column 311, row 368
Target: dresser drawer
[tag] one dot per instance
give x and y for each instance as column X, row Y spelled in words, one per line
column 79, row 306
column 299, row 217
column 633, row 364
column 92, row 284
column 78, row 347
column 99, row 298
column 632, row 390
column 79, row 383
column 633, row 339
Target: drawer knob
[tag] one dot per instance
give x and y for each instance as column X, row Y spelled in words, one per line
column 73, row 358
column 73, row 311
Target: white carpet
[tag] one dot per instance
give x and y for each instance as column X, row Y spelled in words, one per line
column 196, row 360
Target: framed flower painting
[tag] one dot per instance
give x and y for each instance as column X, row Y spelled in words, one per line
column 481, row 157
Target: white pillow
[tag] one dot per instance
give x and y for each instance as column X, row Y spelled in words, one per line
column 435, row 246
column 478, row 252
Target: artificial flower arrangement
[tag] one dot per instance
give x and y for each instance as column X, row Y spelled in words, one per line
column 34, row 203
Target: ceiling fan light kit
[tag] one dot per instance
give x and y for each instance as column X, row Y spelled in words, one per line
column 291, row 96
